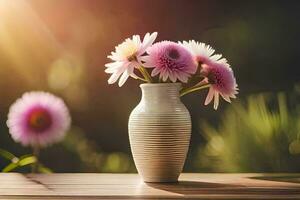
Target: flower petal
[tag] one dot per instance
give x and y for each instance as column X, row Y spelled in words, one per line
column 209, row 96
column 216, row 100
column 148, row 41
column 155, row 71
column 114, row 77
column 172, row 77
column 147, row 62
column 130, row 70
column 112, row 67
column 123, row 78
column 226, row 97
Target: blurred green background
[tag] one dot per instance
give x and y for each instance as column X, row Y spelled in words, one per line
column 61, row 46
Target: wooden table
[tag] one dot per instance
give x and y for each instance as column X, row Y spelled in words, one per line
column 128, row 186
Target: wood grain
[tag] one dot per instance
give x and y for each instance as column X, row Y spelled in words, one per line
column 129, row 186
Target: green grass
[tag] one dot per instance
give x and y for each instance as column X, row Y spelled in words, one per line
column 260, row 134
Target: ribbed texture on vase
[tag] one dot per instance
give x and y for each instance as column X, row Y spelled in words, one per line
column 160, row 135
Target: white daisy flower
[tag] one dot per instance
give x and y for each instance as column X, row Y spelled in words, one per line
column 203, row 53
column 127, row 57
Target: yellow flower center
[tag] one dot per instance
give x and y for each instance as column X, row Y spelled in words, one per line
column 128, row 50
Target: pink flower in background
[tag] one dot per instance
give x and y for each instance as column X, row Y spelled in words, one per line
column 127, row 57
column 202, row 53
column 222, row 81
column 170, row 60
column 38, row 119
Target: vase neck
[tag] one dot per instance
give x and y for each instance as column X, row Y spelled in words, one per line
column 161, row 92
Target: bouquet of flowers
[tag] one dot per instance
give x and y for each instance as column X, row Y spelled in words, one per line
column 173, row 62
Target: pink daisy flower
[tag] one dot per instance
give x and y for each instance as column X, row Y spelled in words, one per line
column 170, row 60
column 202, row 53
column 222, row 81
column 38, row 119
column 127, row 57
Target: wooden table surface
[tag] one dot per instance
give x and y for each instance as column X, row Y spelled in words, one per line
column 128, row 186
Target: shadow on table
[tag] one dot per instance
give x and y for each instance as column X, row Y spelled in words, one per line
column 279, row 178
column 240, row 188
column 194, row 187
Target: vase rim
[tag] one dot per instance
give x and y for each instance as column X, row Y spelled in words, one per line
column 159, row 84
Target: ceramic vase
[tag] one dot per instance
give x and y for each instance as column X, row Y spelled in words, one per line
column 160, row 132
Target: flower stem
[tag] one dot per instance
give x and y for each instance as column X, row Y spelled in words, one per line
column 160, row 80
column 145, row 73
column 193, row 89
column 36, row 152
column 140, row 78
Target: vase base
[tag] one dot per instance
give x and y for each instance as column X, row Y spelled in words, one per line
column 167, row 181
column 161, row 180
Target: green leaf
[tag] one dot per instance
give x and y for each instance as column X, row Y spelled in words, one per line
column 23, row 161
column 44, row 169
column 25, row 156
column 10, row 167
column 27, row 160
column 7, row 155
